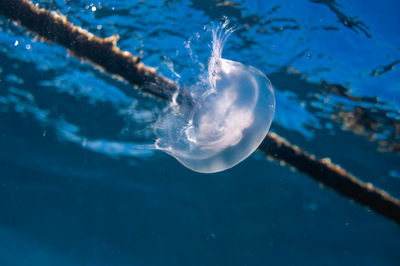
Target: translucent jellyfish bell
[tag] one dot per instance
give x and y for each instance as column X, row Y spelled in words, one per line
column 229, row 115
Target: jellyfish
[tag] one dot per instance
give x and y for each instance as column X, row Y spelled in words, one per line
column 225, row 117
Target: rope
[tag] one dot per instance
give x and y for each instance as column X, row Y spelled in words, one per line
column 332, row 176
column 105, row 54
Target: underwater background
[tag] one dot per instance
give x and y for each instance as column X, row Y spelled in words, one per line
column 79, row 186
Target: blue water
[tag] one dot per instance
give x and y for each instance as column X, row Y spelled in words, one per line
column 79, row 186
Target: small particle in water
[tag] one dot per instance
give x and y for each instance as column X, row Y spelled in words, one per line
column 99, row 27
column 28, row 47
column 44, row 133
column 311, row 206
column 211, row 236
column 329, row 125
column 394, row 174
column 94, row 9
column 16, row 43
column 84, row 142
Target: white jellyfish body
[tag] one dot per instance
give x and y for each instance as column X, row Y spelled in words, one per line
column 229, row 115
